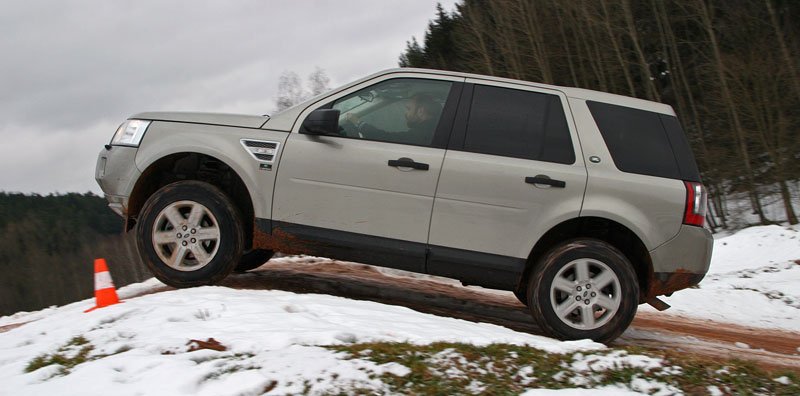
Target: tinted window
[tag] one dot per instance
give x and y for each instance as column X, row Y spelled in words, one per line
column 403, row 110
column 519, row 124
column 680, row 146
column 636, row 139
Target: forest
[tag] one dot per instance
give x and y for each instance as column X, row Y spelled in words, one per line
column 728, row 68
column 48, row 244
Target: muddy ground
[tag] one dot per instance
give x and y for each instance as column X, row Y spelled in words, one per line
column 767, row 348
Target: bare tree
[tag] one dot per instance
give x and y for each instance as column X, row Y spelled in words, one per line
column 290, row 90
column 730, row 69
column 318, row 81
column 706, row 17
column 613, row 38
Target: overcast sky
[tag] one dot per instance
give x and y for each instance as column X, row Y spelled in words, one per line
column 72, row 71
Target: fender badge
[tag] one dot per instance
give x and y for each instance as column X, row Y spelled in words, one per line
column 266, row 167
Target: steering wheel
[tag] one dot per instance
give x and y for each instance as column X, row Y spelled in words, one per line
column 346, row 127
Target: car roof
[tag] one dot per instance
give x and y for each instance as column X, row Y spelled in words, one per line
column 572, row 92
column 285, row 120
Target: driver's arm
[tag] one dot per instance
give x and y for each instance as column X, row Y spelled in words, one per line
column 363, row 129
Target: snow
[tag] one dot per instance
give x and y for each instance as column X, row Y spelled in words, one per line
column 601, row 391
column 739, row 211
column 741, row 345
column 586, row 369
column 714, row 391
column 783, row 380
column 615, row 360
column 273, row 341
column 752, row 281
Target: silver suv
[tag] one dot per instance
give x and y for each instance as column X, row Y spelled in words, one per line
column 583, row 203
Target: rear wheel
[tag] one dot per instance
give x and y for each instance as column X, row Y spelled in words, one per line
column 190, row 234
column 584, row 288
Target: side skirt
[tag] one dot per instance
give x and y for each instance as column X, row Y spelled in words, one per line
column 470, row 267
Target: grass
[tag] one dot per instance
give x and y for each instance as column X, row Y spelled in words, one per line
column 229, row 364
column 75, row 352
column 503, row 369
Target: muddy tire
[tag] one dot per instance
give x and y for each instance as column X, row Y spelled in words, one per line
column 584, row 288
column 253, row 259
column 190, row 234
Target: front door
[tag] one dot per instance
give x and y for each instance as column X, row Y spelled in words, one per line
column 367, row 194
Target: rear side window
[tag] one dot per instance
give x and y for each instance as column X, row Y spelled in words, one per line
column 520, row 124
column 680, row 146
column 637, row 140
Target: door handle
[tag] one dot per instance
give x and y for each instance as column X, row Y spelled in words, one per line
column 408, row 163
column 544, row 179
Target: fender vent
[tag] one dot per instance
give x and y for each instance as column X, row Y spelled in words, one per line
column 261, row 150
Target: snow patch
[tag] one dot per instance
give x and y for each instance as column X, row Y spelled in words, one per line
column 742, row 345
column 269, row 341
column 752, row 281
column 609, row 390
column 783, row 380
column 714, row 391
column 615, row 360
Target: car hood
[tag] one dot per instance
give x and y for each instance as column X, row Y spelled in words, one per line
column 235, row 120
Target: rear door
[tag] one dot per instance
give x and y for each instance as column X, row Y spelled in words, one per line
column 367, row 195
column 512, row 171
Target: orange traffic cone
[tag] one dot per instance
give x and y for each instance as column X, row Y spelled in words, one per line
column 104, row 292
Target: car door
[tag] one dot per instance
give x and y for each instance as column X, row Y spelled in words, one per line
column 512, row 171
column 367, row 194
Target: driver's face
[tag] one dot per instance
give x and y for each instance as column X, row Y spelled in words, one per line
column 410, row 108
column 413, row 113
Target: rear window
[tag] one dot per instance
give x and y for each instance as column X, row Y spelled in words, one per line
column 521, row 124
column 645, row 142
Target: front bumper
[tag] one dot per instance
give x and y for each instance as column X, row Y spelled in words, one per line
column 680, row 263
column 116, row 173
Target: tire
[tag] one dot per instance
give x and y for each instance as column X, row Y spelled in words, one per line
column 253, row 259
column 601, row 315
column 521, row 296
column 190, row 234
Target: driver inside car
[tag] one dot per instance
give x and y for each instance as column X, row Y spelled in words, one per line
column 422, row 117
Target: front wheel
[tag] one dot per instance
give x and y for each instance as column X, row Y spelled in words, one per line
column 190, row 234
column 584, row 288
column 253, row 259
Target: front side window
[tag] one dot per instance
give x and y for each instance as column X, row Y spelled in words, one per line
column 520, row 124
column 401, row 110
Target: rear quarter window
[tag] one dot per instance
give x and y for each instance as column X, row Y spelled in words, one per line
column 639, row 142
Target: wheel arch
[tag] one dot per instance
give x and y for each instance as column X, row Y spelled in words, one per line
column 192, row 165
column 609, row 231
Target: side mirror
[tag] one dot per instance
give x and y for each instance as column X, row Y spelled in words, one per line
column 321, row 122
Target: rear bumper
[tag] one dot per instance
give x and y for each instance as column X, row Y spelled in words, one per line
column 682, row 262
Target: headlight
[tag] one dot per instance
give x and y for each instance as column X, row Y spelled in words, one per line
column 130, row 133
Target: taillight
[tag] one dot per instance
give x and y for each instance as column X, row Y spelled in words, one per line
column 696, row 201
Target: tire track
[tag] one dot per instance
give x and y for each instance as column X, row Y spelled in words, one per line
column 768, row 348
